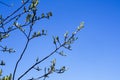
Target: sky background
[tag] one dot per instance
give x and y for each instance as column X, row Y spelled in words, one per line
column 95, row 55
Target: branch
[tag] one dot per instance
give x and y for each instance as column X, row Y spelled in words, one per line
column 14, row 17
column 20, row 58
column 43, row 76
column 62, row 45
column 69, row 40
column 40, row 61
column 16, row 10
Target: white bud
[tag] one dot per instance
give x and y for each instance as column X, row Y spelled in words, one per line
column 80, row 26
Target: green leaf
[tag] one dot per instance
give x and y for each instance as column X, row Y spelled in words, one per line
column 38, row 33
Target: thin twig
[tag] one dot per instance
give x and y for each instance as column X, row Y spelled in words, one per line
column 62, row 45
column 20, row 59
column 39, row 62
column 16, row 10
column 28, row 40
column 14, row 17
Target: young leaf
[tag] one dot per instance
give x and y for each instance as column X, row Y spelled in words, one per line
column 65, row 36
column 38, row 33
column 81, row 26
column 54, row 41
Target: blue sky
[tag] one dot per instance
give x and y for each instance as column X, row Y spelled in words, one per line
column 95, row 55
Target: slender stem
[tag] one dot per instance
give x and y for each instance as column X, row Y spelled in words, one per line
column 20, row 59
column 40, row 61
column 62, row 45
column 28, row 40
column 16, row 11
column 43, row 76
column 14, row 17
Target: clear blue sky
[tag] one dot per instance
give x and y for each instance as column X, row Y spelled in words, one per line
column 95, row 55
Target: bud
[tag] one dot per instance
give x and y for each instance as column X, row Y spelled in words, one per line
column 80, row 26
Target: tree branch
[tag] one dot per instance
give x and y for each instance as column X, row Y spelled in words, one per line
column 16, row 10
column 62, row 45
column 40, row 61
column 20, row 58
